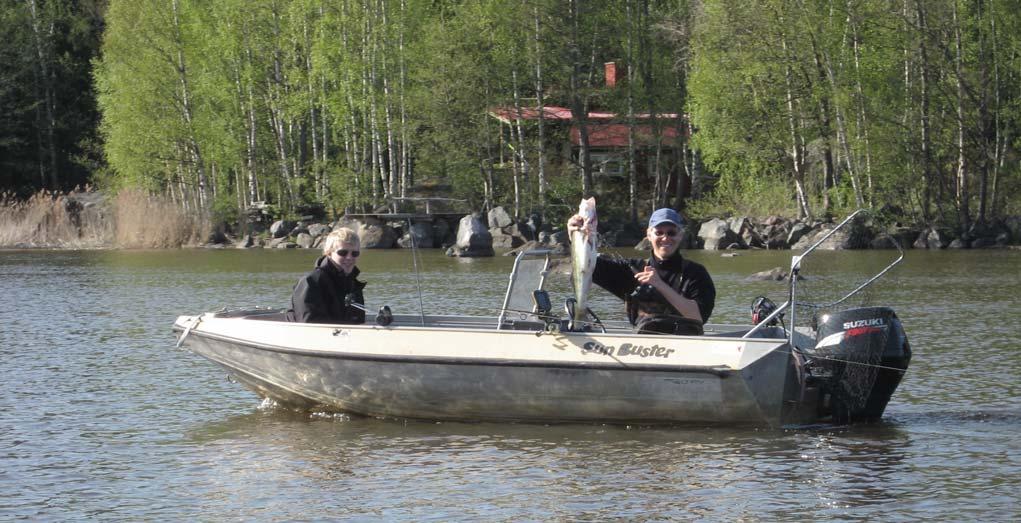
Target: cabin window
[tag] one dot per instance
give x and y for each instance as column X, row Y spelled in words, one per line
column 607, row 163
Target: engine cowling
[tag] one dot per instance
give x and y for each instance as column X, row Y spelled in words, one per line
column 859, row 359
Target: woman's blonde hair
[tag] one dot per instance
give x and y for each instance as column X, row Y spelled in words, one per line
column 339, row 237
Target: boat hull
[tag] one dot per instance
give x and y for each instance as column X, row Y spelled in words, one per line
column 492, row 375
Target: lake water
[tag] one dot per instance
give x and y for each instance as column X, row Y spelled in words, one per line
column 102, row 418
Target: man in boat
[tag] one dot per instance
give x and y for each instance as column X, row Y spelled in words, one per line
column 665, row 294
column 329, row 292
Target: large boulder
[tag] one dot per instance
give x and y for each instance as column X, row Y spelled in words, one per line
column 504, row 240
column 716, row 235
column 347, row 223
column 932, row 238
column 281, row 228
column 317, row 229
column 774, row 232
column 742, row 226
column 498, row 218
column 304, row 240
column 375, row 234
column 473, row 238
column 420, row 236
column 798, row 231
column 280, row 243
column 854, row 235
column 774, row 274
column 472, row 233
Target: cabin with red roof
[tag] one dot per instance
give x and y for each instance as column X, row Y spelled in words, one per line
column 661, row 136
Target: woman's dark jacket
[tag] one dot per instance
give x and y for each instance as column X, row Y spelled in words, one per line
column 688, row 278
column 319, row 296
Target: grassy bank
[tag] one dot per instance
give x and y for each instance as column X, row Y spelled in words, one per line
column 91, row 220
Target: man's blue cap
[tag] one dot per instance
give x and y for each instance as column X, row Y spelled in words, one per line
column 666, row 215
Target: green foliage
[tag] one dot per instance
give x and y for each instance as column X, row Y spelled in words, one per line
column 225, row 210
column 223, row 103
column 737, row 195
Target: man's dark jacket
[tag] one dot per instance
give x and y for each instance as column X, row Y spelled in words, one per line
column 688, row 278
column 319, row 296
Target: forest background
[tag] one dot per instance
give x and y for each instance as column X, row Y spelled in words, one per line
column 802, row 108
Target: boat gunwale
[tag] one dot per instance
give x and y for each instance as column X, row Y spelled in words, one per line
column 616, row 332
column 721, row 371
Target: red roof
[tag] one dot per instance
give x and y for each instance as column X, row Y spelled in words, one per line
column 508, row 114
column 604, row 129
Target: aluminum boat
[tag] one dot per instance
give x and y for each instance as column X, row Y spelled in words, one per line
column 528, row 365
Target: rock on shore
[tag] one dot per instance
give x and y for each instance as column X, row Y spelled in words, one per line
column 476, row 235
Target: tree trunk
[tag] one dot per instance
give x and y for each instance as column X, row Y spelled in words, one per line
column 391, row 145
column 45, row 84
column 405, row 170
column 578, row 112
column 825, row 130
column 797, row 153
column 999, row 136
column 928, row 176
column 541, row 107
column 313, row 114
column 516, row 166
column 186, row 109
column 521, row 149
column 863, row 121
column 961, row 195
column 632, row 164
column 986, row 126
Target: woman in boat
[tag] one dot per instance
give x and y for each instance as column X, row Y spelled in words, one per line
column 330, row 292
column 664, row 294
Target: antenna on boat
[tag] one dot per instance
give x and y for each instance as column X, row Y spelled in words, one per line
column 414, row 244
column 418, row 277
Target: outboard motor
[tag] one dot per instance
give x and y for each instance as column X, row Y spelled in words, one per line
column 859, row 359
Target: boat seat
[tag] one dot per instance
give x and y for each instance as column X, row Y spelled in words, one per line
column 528, row 275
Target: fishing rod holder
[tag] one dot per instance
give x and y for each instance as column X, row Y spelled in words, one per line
column 384, row 316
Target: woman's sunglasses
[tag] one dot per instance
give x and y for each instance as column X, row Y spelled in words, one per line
column 344, row 252
column 669, row 232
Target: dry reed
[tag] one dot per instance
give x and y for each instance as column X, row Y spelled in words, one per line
column 152, row 222
column 53, row 220
column 84, row 220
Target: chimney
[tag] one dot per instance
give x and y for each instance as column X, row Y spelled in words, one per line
column 613, row 73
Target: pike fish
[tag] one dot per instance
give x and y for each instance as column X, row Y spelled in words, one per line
column 583, row 257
